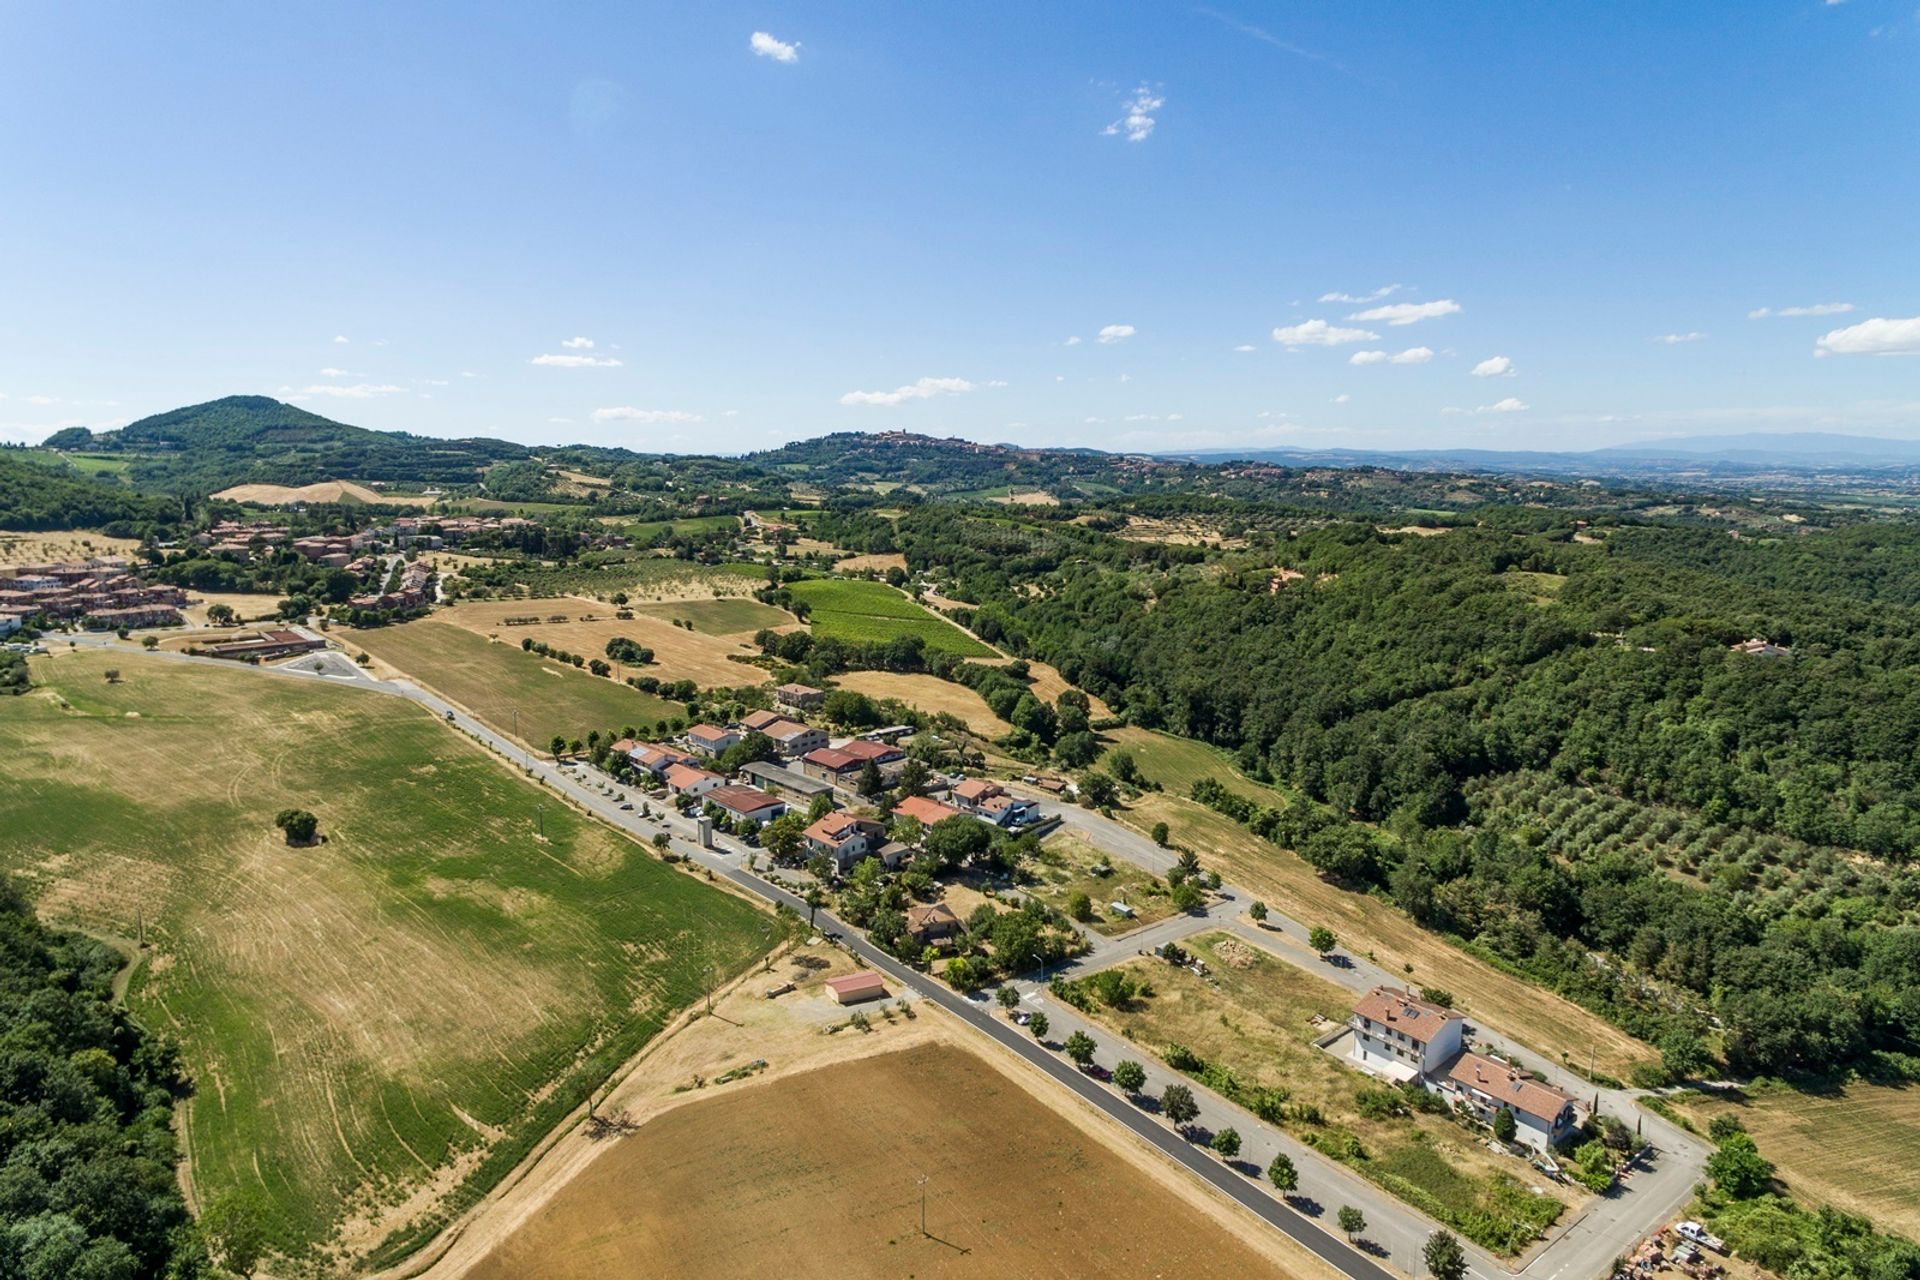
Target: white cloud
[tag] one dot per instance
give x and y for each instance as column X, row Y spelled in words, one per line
column 998, row 382
column 1876, row 337
column 731, row 413
column 1362, row 299
column 1245, row 347
column 560, row 422
column 357, row 391
column 1494, row 367
column 1115, row 333
column 340, row 339
column 1408, row 312
column 578, row 344
column 1817, row 309
column 1073, row 341
column 1342, row 398
column 335, row 373
column 779, row 50
column 468, row 373
column 1126, row 377
column 1512, row 404
column 1412, row 355
column 578, row 362
column 923, row 389
column 43, row 399
column 627, row 413
column 1138, row 121
column 1318, row 333
column 1675, row 339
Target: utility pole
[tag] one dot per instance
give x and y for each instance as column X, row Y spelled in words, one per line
column 923, row 1204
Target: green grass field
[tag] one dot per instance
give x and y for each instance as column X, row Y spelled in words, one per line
column 644, row 530
column 719, row 617
column 93, row 464
column 1177, row 763
column 868, row 612
column 380, row 1026
column 498, row 682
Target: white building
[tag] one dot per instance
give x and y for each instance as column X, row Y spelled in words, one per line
column 1543, row 1116
column 1401, row 1037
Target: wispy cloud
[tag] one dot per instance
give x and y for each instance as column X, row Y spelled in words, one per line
column 1512, row 404
column 1362, row 299
column 1412, row 355
column 340, row 339
column 1494, row 367
column 335, row 373
column 1816, row 309
column 1139, row 115
column 779, row 50
column 627, row 413
column 578, row 344
column 1318, row 333
column 1877, row 337
column 340, row 391
column 1245, row 347
column 1073, row 341
column 1675, row 339
column 1342, row 398
column 1268, row 38
column 577, row 362
column 922, row 389
column 1115, row 333
column 1398, row 313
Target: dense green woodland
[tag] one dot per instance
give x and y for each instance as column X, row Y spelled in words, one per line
column 36, row 496
column 87, row 1152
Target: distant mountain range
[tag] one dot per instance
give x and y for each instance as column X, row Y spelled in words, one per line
column 1806, row 452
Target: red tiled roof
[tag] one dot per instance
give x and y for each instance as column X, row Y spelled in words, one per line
column 864, row 983
column 861, row 749
column 742, row 799
column 1403, row 1012
column 681, row 776
column 710, row 732
column 1504, row 1084
column 977, row 789
column 927, row 811
column 831, row 758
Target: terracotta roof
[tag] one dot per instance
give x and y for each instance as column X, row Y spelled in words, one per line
column 681, row 776
column 864, row 983
column 831, row 758
column 710, row 733
column 977, row 789
column 742, row 799
column 861, row 749
column 927, row 811
column 759, row 720
column 1505, row 1084
column 623, row 746
column 1420, row 1019
column 837, row 828
column 781, row 730
column 798, row 690
column 934, row 915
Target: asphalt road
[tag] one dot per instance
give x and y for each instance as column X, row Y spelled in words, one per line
column 1395, row 1232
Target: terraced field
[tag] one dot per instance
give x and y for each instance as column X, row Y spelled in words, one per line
column 378, row 1026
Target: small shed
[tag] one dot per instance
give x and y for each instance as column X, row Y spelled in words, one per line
column 857, row 987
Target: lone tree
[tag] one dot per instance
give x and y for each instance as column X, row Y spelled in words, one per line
column 815, row 898
column 113, row 675
column 222, row 615
column 1281, row 1173
column 299, row 825
column 1038, row 1025
column 1321, row 939
column 1129, row 1076
column 1177, row 1104
column 1008, row 997
column 558, row 747
column 1226, row 1143
column 1160, row 834
column 1351, row 1220
column 1080, row 1048
column 1258, row 911
column 1446, row 1260
column 1503, row 1124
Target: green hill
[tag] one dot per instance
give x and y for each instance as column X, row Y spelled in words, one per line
column 259, row 440
column 36, row 494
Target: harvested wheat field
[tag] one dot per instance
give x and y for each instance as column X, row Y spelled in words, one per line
column 280, row 495
column 818, row 1174
column 678, row 654
column 61, row 544
column 877, row 563
column 249, row 606
column 930, row 694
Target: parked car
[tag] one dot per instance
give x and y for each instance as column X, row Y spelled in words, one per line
column 1022, row 1018
column 1098, row 1072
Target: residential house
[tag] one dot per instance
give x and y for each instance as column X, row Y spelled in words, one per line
column 744, row 802
column 757, row 721
column 927, row 811
column 832, row 765
column 935, row 922
column 1008, row 811
column 845, row 838
column 710, row 740
column 800, row 697
column 793, row 739
column 1401, row 1037
column 689, row 780
column 968, row 796
column 1544, row 1117
column 654, row 758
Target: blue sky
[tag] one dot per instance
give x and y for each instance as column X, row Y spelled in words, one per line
column 904, row 216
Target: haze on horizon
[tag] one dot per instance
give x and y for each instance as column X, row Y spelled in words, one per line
column 718, row 229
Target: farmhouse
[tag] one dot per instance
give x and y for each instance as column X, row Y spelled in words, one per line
column 791, row 738
column 831, row 765
column 855, row 987
column 746, row 803
column 783, row 781
column 690, row 780
column 1400, row 1037
column 710, row 739
column 925, row 810
column 799, row 697
column 845, row 838
column 1544, row 1117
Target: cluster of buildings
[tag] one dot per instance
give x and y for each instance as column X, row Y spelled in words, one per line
column 239, row 537
column 412, row 591
column 1401, row 1038
column 103, row 594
